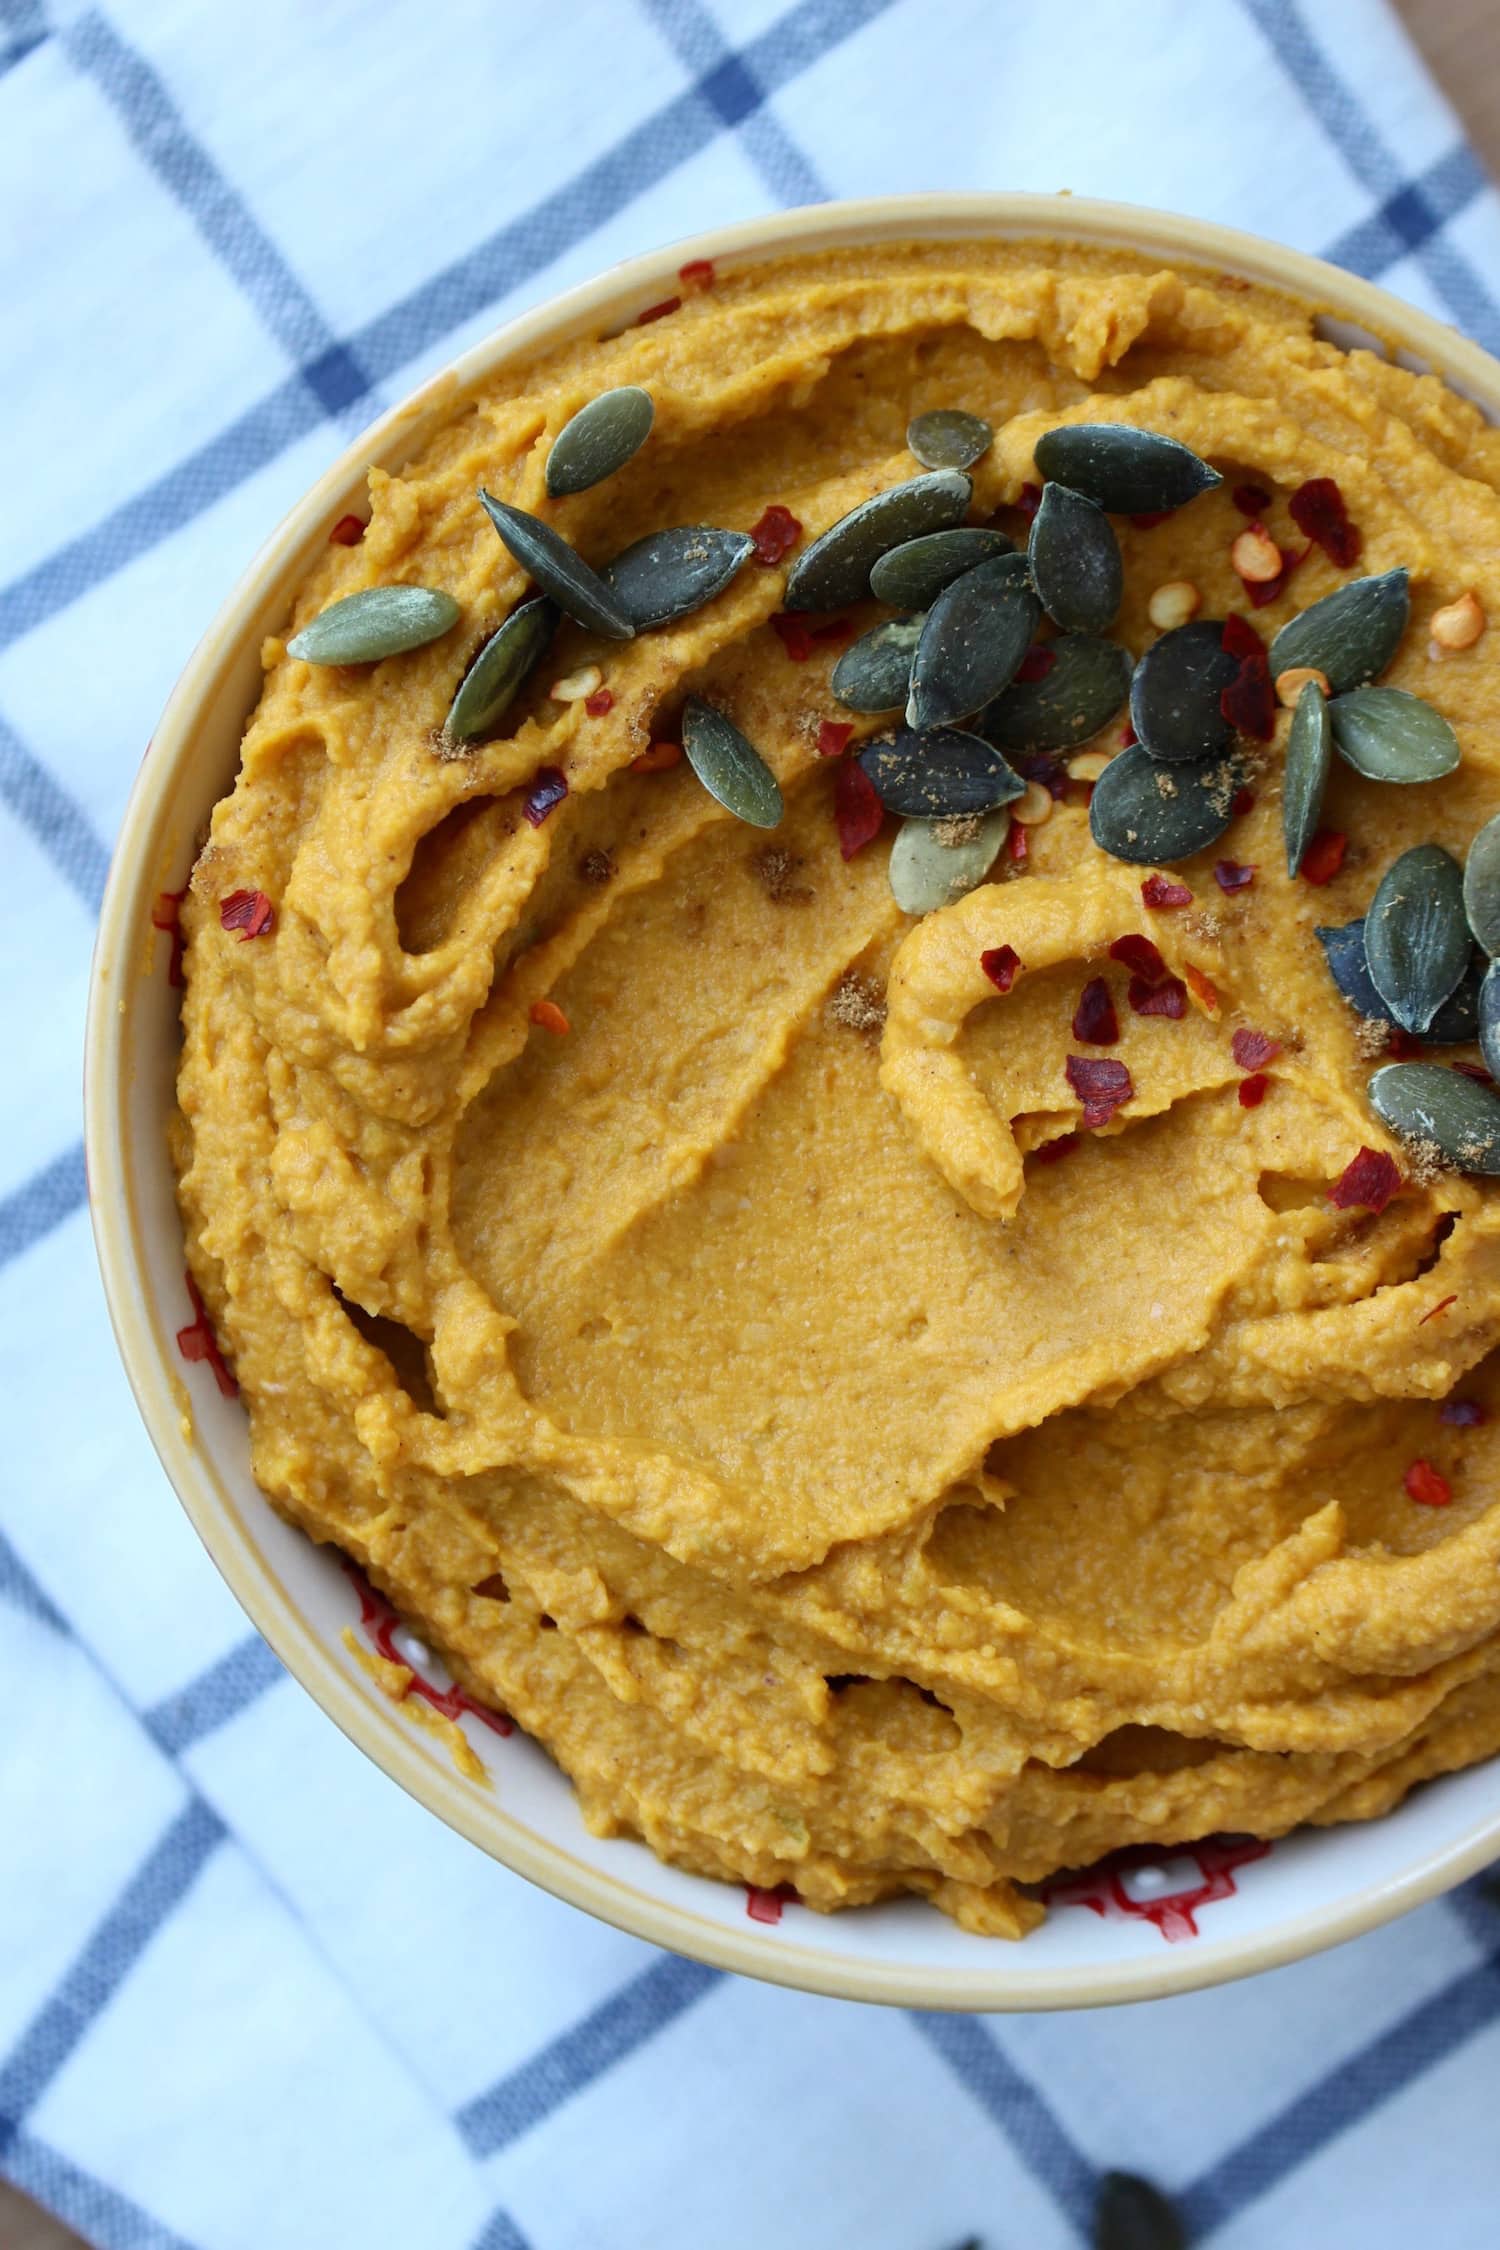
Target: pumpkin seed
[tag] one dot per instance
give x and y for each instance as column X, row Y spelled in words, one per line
column 1309, row 755
column 486, row 689
column 1153, row 815
column 874, row 672
column 1482, row 885
column 1388, row 735
column 948, row 438
column 1489, row 1019
column 836, row 568
column 1175, row 704
column 914, row 574
column 381, row 621
column 1075, row 561
column 730, row 768
column 1456, row 1022
column 1417, row 941
column 1131, row 2214
column 669, row 574
column 927, row 873
column 600, row 438
column 1088, row 682
column 1350, row 635
column 558, row 571
column 1427, row 1102
column 1131, row 472
column 977, row 632
column 933, row 775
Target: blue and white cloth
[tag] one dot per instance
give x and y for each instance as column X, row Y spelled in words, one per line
column 252, row 1998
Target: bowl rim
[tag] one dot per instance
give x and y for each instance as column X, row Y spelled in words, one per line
column 135, row 876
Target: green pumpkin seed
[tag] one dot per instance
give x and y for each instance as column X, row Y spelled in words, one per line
column 948, row 438
column 1153, row 815
column 977, row 632
column 730, row 768
column 600, row 439
column 1417, row 941
column 874, row 672
column 1075, row 561
column 835, row 569
column 669, row 574
column 1128, row 471
column 927, row 873
column 1428, row 1103
column 1085, row 688
column 486, row 689
column 1175, row 694
column 1388, row 735
column 382, row 621
column 1131, row 2214
column 933, row 775
column 1489, row 1019
column 577, row 590
column 1309, row 755
column 1350, row 635
column 1482, row 886
column 914, row 574
column 1454, row 1025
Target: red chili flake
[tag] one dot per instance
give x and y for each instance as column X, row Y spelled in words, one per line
column 1001, row 964
column 833, row 738
column 381, row 1622
column 1249, row 701
column 775, row 535
column 1161, row 894
column 1029, row 499
column 1150, row 518
column 1252, row 1050
column 1263, row 591
column 1168, row 999
column 1324, row 856
column 1253, row 1090
column 1239, row 637
column 1440, row 1307
column 1101, row 1084
column 1053, row 1152
column 793, row 635
column 1427, row 1485
column 658, row 312
column 1140, row 956
column 1462, row 1414
column 1232, row 875
column 1476, row 1071
column 1403, row 1046
column 841, row 629
column 249, row 912
column 1049, row 771
column 165, row 916
column 698, row 273
column 765, row 1906
column 658, row 758
column 548, row 788
column 198, row 1341
column 1251, row 499
column 1318, row 510
column 1203, row 989
column 1036, row 663
column 857, row 810
column 1128, row 734
column 1017, row 844
column 1367, row 1182
column 1094, row 1018
column 550, row 1017
column 1241, row 802
column 599, row 702
column 347, row 532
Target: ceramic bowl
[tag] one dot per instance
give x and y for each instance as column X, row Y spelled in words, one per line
column 1166, row 1924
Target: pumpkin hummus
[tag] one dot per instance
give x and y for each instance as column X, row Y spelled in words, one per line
column 708, row 1361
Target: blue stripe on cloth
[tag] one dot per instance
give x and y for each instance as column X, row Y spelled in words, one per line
column 500, row 2232
column 1412, row 216
column 216, row 1696
column 512, row 255
column 1350, row 127
column 156, row 129
column 41, row 1203
column 96, row 2211
column 159, row 1885
column 61, row 827
column 726, row 83
column 583, row 2053
column 20, row 1589
column 1037, row 2135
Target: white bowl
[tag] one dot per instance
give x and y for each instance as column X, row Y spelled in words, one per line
column 1131, row 1939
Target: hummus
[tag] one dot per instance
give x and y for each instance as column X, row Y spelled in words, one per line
column 705, row 1360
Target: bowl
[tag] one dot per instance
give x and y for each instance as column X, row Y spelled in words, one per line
column 1152, row 1923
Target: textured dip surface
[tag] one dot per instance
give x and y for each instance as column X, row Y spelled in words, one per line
column 845, row 1496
